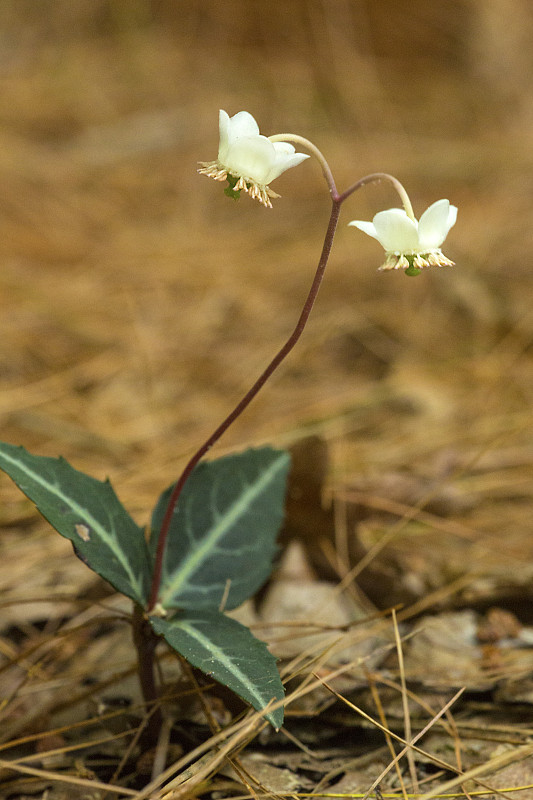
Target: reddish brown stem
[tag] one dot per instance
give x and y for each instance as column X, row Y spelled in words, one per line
column 337, row 200
column 145, row 641
column 246, row 400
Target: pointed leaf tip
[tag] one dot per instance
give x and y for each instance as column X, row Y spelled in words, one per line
column 86, row 511
column 228, row 652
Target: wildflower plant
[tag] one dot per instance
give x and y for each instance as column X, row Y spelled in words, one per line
column 212, row 533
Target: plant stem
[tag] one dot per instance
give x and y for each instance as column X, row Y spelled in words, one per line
column 246, row 400
column 326, row 170
column 336, row 202
column 375, row 177
column 145, row 641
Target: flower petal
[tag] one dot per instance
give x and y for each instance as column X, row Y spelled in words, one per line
column 243, row 124
column 233, row 128
column 283, row 148
column 251, row 157
column 284, row 160
column 224, row 125
column 395, row 231
column 435, row 223
column 366, row 227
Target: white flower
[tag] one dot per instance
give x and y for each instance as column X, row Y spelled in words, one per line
column 409, row 244
column 248, row 160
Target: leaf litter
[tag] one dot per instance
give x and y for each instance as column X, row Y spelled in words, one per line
column 414, row 493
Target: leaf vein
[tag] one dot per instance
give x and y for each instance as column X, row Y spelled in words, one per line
column 54, row 487
column 237, row 509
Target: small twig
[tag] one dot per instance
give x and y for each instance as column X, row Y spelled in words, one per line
column 383, row 720
column 405, row 703
column 161, row 750
column 72, row 780
column 518, row 754
column 410, row 745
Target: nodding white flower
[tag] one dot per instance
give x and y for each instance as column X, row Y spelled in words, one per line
column 247, row 160
column 410, row 244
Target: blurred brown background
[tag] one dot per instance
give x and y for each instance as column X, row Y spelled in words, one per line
column 137, row 302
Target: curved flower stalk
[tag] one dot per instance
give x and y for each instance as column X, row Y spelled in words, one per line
column 410, row 244
column 248, row 160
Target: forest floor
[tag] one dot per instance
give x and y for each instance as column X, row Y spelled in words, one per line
column 137, row 304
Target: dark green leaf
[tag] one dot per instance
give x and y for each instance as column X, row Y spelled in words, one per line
column 222, row 535
column 228, row 652
column 87, row 512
